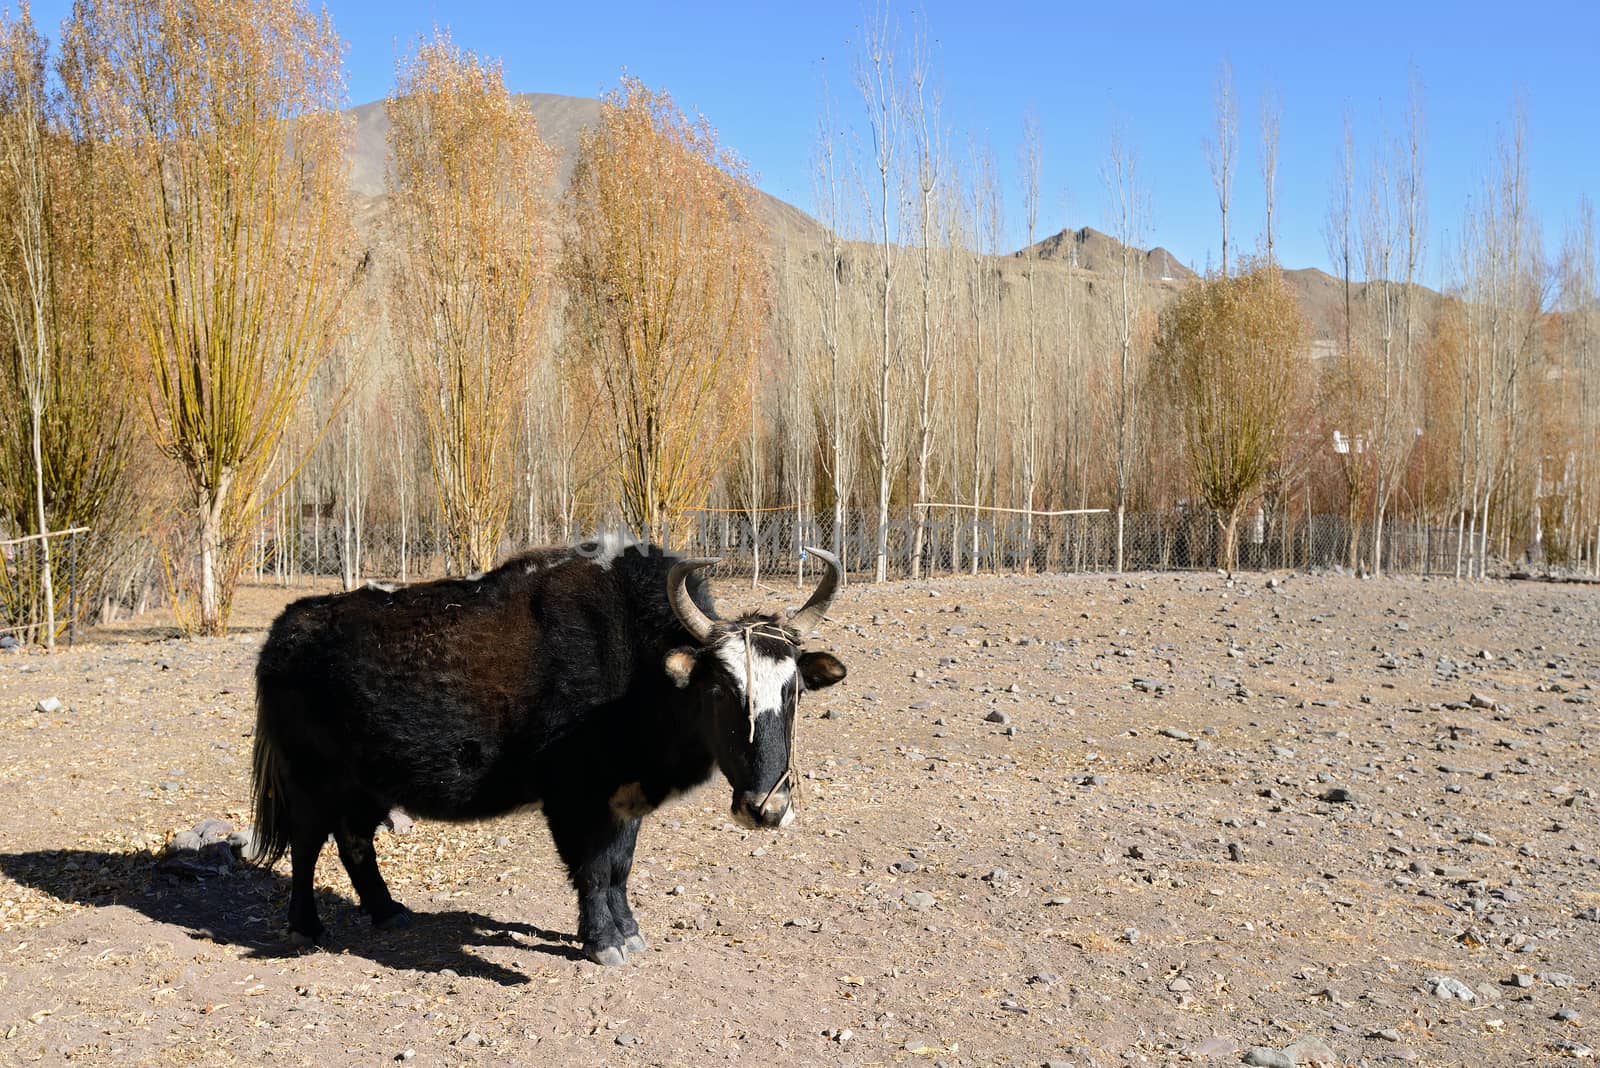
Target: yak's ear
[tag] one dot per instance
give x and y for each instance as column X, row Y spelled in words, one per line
column 680, row 665
column 820, row 670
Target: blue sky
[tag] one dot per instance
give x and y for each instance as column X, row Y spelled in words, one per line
column 756, row 70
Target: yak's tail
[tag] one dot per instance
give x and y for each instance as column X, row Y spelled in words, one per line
column 271, row 839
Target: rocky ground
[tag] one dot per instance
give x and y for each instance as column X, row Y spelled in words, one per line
column 1058, row 819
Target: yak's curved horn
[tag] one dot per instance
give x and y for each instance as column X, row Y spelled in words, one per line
column 696, row 622
column 809, row 616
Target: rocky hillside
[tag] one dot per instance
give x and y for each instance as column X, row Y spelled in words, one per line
column 562, row 119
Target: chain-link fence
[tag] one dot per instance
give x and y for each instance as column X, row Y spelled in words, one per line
column 24, row 615
column 953, row 540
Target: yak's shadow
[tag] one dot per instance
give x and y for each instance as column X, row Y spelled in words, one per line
column 245, row 907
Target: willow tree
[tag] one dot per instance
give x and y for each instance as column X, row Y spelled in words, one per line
column 64, row 447
column 469, row 188
column 667, row 289
column 220, row 126
column 1226, row 351
column 26, row 274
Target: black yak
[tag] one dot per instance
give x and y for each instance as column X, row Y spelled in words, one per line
column 594, row 681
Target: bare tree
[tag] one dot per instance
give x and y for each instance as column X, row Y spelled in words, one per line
column 984, row 296
column 1130, row 212
column 1028, row 176
column 833, row 178
column 1579, row 303
column 877, row 80
column 1271, row 122
column 932, row 180
column 1222, row 153
column 1391, row 237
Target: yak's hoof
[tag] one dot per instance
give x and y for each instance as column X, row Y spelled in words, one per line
column 397, row 920
column 305, row 940
column 634, row 945
column 610, row 956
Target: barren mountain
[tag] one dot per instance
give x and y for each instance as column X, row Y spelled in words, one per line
column 1089, row 249
column 561, row 119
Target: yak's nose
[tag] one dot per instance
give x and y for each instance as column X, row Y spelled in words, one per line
column 751, row 810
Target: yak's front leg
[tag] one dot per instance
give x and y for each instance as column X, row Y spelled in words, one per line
column 597, row 848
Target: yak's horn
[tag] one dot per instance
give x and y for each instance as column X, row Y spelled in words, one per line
column 808, row 617
column 696, row 622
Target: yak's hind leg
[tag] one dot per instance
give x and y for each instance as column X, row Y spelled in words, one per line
column 354, row 838
column 305, row 845
column 597, row 849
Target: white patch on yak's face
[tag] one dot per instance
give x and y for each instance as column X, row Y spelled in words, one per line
column 765, row 681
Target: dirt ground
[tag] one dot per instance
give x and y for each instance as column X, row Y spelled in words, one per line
column 1058, row 819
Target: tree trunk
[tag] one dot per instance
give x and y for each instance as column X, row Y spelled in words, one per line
column 212, row 502
column 1229, row 526
column 46, row 584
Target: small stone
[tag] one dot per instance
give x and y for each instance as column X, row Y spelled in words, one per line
column 626, row 1039
column 1569, row 1048
column 1312, row 1052
column 1446, row 988
column 1094, row 780
column 904, row 867
column 1180, row 985
column 1213, row 1046
column 1265, row 1057
column 1479, row 838
column 1176, row 735
column 49, row 704
column 1388, row 1034
column 1520, row 980
column 1340, row 795
column 1478, row 700
column 1570, row 1016
column 405, row 1055
column 212, row 829
column 919, row 900
column 471, row 1038
column 501, row 841
column 997, row 716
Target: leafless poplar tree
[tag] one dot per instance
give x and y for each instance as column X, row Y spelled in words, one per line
column 1130, row 212
column 1028, row 177
column 877, row 79
column 1222, row 153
